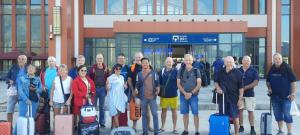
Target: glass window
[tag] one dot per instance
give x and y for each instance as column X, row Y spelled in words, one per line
column 6, row 9
column 237, row 50
column 115, row 7
column 220, row 7
column 6, row 33
column 46, row 10
column 237, row 38
column 21, row 32
column 235, row 6
column 35, row 1
column 250, row 8
column 36, row 31
column 21, row 9
column 285, row 1
column 46, row 2
column 160, row 7
column 285, row 35
column 145, row 7
column 21, row 1
column 6, row 1
column 175, row 7
column 99, row 6
column 190, row 7
column 224, row 50
column 225, row 38
column 35, row 9
column 88, row 6
column 205, row 7
column 285, row 10
column 130, row 7
column 46, row 31
column 262, row 6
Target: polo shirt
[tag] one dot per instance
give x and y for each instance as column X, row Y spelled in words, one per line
column 249, row 76
column 230, row 82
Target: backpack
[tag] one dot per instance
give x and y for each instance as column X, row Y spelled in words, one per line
column 204, row 82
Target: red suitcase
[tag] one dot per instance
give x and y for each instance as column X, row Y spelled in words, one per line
column 5, row 128
column 123, row 119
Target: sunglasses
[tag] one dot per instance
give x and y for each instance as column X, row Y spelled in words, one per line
column 117, row 68
column 83, row 70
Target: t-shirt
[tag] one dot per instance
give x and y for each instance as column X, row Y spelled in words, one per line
column 249, row 76
column 133, row 74
column 148, row 86
column 230, row 82
column 99, row 77
column 50, row 74
column 280, row 80
column 188, row 80
column 58, row 94
column 171, row 87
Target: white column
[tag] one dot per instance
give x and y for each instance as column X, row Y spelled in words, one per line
column 58, row 41
column 76, row 28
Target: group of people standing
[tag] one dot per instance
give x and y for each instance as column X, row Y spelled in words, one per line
column 141, row 83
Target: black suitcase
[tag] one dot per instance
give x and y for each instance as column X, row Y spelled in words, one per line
column 88, row 129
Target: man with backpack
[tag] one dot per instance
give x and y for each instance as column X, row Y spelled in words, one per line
column 99, row 73
column 199, row 64
column 147, row 89
column 189, row 84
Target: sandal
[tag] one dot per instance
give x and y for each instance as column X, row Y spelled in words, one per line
column 175, row 131
column 151, row 129
column 161, row 130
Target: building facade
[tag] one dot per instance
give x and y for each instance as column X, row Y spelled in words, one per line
column 158, row 28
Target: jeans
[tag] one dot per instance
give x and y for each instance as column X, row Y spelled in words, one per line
column 281, row 109
column 100, row 94
column 153, row 107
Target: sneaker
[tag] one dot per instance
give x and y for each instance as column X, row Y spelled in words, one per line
column 102, row 125
column 280, row 133
column 185, row 133
column 252, row 132
column 197, row 133
column 241, row 129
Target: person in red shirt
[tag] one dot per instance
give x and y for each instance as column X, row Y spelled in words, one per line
column 83, row 88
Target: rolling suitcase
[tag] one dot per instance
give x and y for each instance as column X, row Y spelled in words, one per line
column 25, row 125
column 63, row 123
column 42, row 123
column 5, row 128
column 123, row 119
column 123, row 131
column 219, row 123
column 266, row 122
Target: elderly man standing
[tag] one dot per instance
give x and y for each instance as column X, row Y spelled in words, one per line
column 229, row 81
column 15, row 72
column 189, row 84
column 250, row 80
column 281, row 83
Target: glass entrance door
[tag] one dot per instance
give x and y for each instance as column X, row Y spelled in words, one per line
column 208, row 51
column 157, row 55
column 178, row 51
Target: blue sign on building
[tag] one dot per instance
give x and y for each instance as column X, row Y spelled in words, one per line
column 180, row 39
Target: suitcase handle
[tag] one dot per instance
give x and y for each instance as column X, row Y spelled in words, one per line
column 222, row 103
column 62, row 109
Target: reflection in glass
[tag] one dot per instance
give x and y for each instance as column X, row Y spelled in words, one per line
column 115, row 7
column 250, row 8
column 6, row 9
column 21, row 32
column 87, row 6
column 35, row 31
column 205, row 7
column 145, row 7
column 190, row 7
column 6, row 33
column 6, row 1
column 99, row 6
column 235, row 7
column 130, row 7
column 35, row 2
column 237, row 38
column 35, row 9
column 160, row 7
column 175, row 7
column 21, row 1
column 220, row 7
column 224, row 38
column 46, row 31
column 262, row 6
column 21, row 9
column 224, row 50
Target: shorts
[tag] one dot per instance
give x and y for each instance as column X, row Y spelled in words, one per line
column 11, row 103
column 281, row 109
column 248, row 104
column 169, row 102
column 231, row 109
column 57, row 105
column 185, row 105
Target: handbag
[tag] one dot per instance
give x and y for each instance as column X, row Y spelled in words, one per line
column 294, row 109
column 12, row 91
